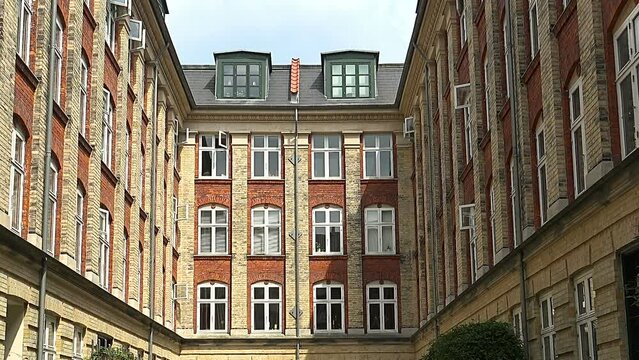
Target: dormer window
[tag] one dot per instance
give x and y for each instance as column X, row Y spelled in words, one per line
column 350, row 74
column 242, row 75
column 242, row 81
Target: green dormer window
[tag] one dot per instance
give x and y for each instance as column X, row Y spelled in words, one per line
column 350, row 74
column 351, row 80
column 242, row 75
column 242, row 81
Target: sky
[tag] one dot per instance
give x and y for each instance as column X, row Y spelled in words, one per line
column 290, row 28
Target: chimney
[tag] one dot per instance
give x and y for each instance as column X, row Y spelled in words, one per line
column 295, row 79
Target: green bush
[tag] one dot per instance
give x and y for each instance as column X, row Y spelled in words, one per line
column 111, row 353
column 482, row 341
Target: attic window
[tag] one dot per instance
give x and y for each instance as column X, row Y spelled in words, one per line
column 242, row 81
column 351, row 80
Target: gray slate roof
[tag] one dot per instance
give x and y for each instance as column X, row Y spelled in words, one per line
column 201, row 80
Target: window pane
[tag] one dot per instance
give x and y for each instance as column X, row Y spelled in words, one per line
column 228, row 69
column 335, row 239
column 371, row 163
column 373, row 245
column 337, row 92
column 350, row 69
column 241, row 69
column 254, row 81
column 584, row 336
column 205, row 316
column 206, row 217
column 369, row 141
column 254, row 69
column 581, row 299
column 389, row 293
column 220, row 293
column 322, row 314
column 254, row 92
column 546, row 345
column 576, row 104
column 544, row 314
column 363, row 80
column 258, row 141
column 207, row 163
column 258, row 163
column 623, row 49
column 387, row 239
column 273, row 217
column 387, row 216
column 336, row 69
column 228, row 92
column 320, row 293
column 337, row 80
column 364, row 91
column 258, row 316
column 205, row 293
column 320, row 239
column 220, row 240
column 627, row 114
column 318, row 165
column 384, row 141
column 372, row 216
column 373, row 293
column 363, row 69
column 273, row 141
column 241, row 92
column 258, row 241
column 336, row 293
column 389, row 316
column 258, row 217
column 335, row 216
column 273, row 163
column 320, row 216
column 220, row 217
column 274, row 316
column 350, row 92
column 273, row 293
column 220, row 163
column 241, row 80
column 374, row 316
column 333, row 164
column 336, row 316
column 258, row 293
column 350, row 81
column 220, row 317
column 205, row 240
column 228, row 80
column 579, row 159
column 274, row 240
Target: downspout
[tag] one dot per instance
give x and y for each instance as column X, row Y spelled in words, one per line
column 46, row 208
column 515, row 133
column 297, row 236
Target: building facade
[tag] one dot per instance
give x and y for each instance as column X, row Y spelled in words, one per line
column 249, row 210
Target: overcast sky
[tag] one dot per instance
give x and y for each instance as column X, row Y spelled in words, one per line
column 290, row 28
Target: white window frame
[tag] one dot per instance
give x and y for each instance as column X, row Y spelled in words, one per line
column 267, row 301
column 103, row 259
column 463, row 22
column 24, row 30
column 125, row 262
column 381, row 302
column 506, row 52
column 266, row 226
column 533, row 21
column 84, row 91
column 518, row 327
column 78, row 343
column 79, row 228
column 378, row 150
column 213, row 226
column 493, row 221
column 587, row 317
column 266, row 150
column 468, row 211
column 327, row 225
column 630, row 69
column 547, row 322
column 212, row 302
column 140, row 273
column 57, row 58
column 577, row 125
column 513, row 201
column 329, row 302
column 176, row 142
column 141, row 178
column 107, row 129
column 379, row 225
column 487, row 91
column 542, row 169
column 325, row 151
column 110, row 28
column 468, row 135
column 17, row 176
column 49, row 336
column 127, row 158
column 174, row 220
column 53, row 200
column 217, row 147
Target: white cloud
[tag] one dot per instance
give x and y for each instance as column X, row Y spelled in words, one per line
column 290, row 28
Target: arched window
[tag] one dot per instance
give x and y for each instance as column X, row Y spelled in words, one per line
column 17, row 179
column 327, row 231
column 213, row 230
column 577, row 137
column 381, row 303
column 265, row 226
column 79, row 227
column 380, row 230
column 266, row 307
column 212, row 305
column 53, row 204
column 542, row 171
column 103, row 260
column 328, row 307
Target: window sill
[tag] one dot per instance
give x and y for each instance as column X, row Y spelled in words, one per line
column 109, row 174
column 381, row 256
column 327, row 181
column 111, row 57
column 212, row 257
column 319, row 257
column 207, row 180
column 534, row 64
column 259, row 181
column 24, row 70
column 485, row 141
column 84, row 144
column 57, row 110
column 462, row 54
column 378, row 180
column 128, row 197
column 265, row 257
column 468, row 169
column 89, row 16
column 562, row 20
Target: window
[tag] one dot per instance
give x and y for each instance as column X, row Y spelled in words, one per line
column 214, row 156
column 49, row 339
column 212, row 305
column 141, row 178
column 57, row 58
column 487, row 91
column 463, row 22
column 125, row 264
column 53, row 204
column 467, row 222
column 265, row 228
column 127, row 158
column 513, row 201
column 517, row 325
column 17, row 180
column 506, row 56
column 110, row 28
column 468, row 134
column 351, row 80
column 266, row 156
column 328, row 307
column 176, row 141
column 327, row 231
column 140, row 280
column 533, row 18
column 104, row 341
column 577, row 138
column 242, row 81
column 327, row 154
column 627, row 65
column 380, row 230
column 78, row 338
column 107, row 128
column 84, row 91
column 173, row 302
column 473, row 255
column 266, row 304
column 378, row 156
column 174, row 219
column 541, row 174
column 79, row 228
column 586, row 317
column 493, row 221
column 381, row 304
column 24, row 29
column 103, row 260
column 548, row 335
column 213, row 230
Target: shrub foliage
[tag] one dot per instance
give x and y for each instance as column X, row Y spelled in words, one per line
column 480, row 341
column 111, row 353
